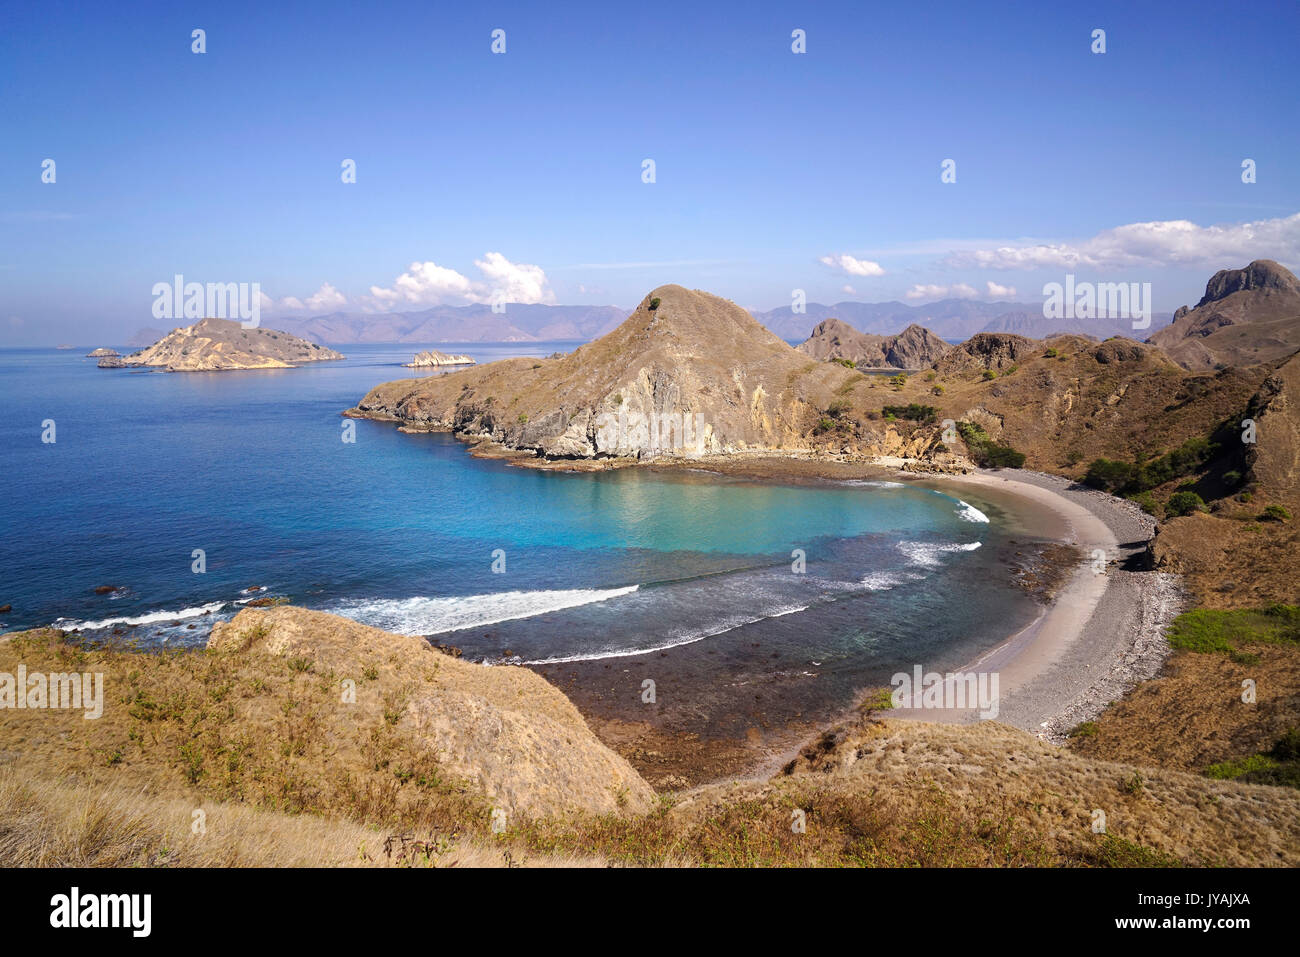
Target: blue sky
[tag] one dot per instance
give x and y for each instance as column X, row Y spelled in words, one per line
column 225, row 166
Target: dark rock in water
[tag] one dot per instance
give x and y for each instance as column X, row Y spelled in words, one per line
column 4, row 609
column 105, row 589
column 266, row 601
column 451, row 650
column 252, row 588
column 112, row 362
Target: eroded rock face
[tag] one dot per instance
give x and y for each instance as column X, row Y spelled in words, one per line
column 100, row 353
column 505, row 730
column 213, row 345
column 686, row 374
column 1274, row 457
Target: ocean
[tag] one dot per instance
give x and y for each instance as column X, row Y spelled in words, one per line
column 707, row 577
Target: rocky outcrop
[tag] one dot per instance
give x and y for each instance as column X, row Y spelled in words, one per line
column 434, row 358
column 213, row 345
column 506, row 731
column 1273, row 459
column 686, row 374
column 114, row 361
column 913, row 348
column 995, row 351
column 100, row 353
column 1246, row 316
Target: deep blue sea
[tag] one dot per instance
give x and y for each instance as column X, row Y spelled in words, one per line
column 403, row 531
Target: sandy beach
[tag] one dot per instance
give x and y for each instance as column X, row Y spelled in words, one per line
column 1101, row 635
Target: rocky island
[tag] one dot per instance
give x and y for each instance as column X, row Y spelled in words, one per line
column 218, row 345
column 100, row 353
column 434, row 358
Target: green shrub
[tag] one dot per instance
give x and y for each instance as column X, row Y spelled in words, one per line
column 989, row 374
column 1274, row 513
column 654, row 303
column 1108, row 475
column 1050, row 354
column 1087, row 729
column 847, row 363
column 912, row 411
column 985, row 451
column 1184, row 503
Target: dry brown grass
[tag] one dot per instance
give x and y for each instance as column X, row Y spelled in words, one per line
column 285, row 778
column 60, row 824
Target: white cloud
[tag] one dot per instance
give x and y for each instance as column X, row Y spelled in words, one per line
column 854, row 267
column 848, row 289
column 958, row 291
column 426, row 284
column 1175, row 242
column 429, row 284
column 1000, row 292
column 326, row 297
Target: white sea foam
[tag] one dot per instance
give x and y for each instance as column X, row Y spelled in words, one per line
column 433, row 616
column 880, row 581
column 149, row 618
column 872, row 483
column 971, row 513
column 930, row 554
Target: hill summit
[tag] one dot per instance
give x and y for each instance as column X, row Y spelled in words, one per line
column 1247, row 316
column 686, row 373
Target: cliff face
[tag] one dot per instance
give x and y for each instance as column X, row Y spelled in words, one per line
column 685, row 374
column 913, row 348
column 1247, row 316
column 212, row 345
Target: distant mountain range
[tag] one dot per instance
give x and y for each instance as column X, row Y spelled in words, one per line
column 519, row 323
column 952, row 319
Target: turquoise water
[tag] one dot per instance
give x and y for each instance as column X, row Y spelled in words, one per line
column 403, row 531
